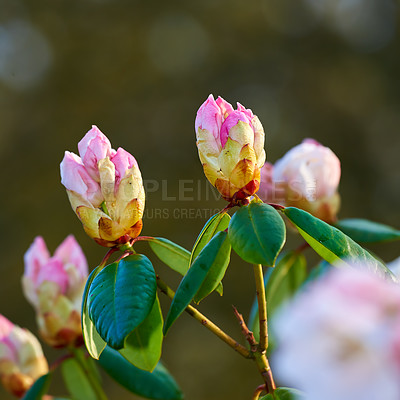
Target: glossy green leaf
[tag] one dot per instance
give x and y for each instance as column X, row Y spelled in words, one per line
column 156, row 385
column 39, row 388
column 281, row 283
column 283, row 393
column 143, row 345
column 76, row 381
column 217, row 269
column 93, row 341
column 332, row 244
column 217, row 223
column 257, row 233
column 193, row 280
column 120, row 298
column 171, row 254
column 362, row 230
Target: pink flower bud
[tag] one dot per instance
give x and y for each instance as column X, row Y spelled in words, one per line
column 307, row 177
column 21, row 358
column 343, row 331
column 54, row 286
column 105, row 189
column 231, row 148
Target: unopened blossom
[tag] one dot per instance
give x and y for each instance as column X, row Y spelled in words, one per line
column 340, row 338
column 21, row 358
column 231, row 148
column 105, row 189
column 54, row 286
column 306, row 177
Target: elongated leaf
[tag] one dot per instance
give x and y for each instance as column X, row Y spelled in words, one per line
column 171, row 254
column 39, row 388
column 285, row 394
column 333, row 245
column 143, row 346
column 217, row 223
column 216, row 271
column 93, row 341
column 120, row 298
column 156, row 385
column 362, row 230
column 194, row 278
column 257, row 233
column 281, row 283
column 76, row 381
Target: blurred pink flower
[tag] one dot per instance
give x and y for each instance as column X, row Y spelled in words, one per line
column 340, row 338
column 54, row 286
column 231, row 147
column 105, row 189
column 307, row 177
column 21, row 358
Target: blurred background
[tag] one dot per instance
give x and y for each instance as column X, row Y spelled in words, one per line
column 327, row 69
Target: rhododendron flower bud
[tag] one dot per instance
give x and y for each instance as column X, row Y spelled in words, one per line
column 307, row 177
column 231, row 148
column 54, row 286
column 105, row 189
column 21, row 358
column 340, row 338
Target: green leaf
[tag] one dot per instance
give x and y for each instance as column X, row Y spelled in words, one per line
column 257, row 233
column 171, row 254
column 193, row 280
column 217, row 223
column 283, row 393
column 143, row 345
column 93, row 341
column 156, row 385
column 120, row 298
column 39, row 388
column 332, row 244
column 281, row 283
column 362, row 230
column 76, row 381
column 217, row 269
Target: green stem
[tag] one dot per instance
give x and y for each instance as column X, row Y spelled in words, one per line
column 197, row 315
column 79, row 357
column 262, row 307
column 265, row 371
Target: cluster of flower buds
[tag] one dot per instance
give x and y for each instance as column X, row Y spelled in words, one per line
column 231, row 148
column 340, row 338
column 307, row 177
column 21, row 358
column 105, row 189
column 54, row 286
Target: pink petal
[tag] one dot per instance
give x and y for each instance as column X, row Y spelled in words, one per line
column 123, row 162
column 232, row 121
column 75, row 177
column 36, row 256
column 53, row 271
column 6, row 327
column 209, row 117
column 69, row 252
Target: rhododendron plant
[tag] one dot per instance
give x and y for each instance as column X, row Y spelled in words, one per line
column 338, row 338
column 105, row 189
column 231, row 147
column 21, row 358
column 54, row 286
